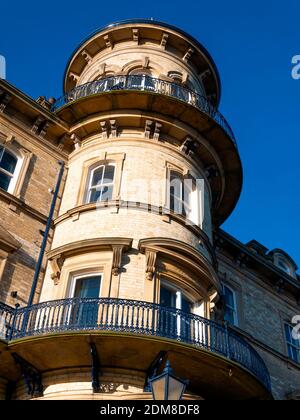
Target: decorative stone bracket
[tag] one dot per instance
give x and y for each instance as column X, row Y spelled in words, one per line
column 151, row 257
column 117, row 259
column 56, row 265
column 57, row 256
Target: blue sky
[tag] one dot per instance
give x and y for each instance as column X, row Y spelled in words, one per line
column 252, row 44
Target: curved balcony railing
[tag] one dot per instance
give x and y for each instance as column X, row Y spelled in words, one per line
column 147, row 84
column 106, row 314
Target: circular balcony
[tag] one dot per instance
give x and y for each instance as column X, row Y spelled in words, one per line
column 133, row 319
column 143, row 83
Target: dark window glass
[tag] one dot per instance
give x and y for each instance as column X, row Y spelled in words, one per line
column 4, row 181
column 8, row 162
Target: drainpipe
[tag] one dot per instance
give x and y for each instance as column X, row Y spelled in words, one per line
column 46, row 234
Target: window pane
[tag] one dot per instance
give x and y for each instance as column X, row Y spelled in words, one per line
column 8, row 162
column 167, row 298
column 186, row 305
column 4, row 181
column 97, row 176
column 95, row 195
column 107, row 193
column 229, row 316
column 288, row 333
column 88, row 287
column 229, row 298
column 109, row 174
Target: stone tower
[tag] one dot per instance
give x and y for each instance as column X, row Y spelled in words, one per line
column 132, row 277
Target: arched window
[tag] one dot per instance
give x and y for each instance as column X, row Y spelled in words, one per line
column 101, row 183
column 141, row 79
column 8, row 169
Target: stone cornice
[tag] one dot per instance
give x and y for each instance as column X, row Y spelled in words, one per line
column 263, row 264
column 89, row 245
column 182, row 252
column 32, row 104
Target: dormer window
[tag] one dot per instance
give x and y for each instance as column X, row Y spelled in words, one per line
column 284, row 262
column 284, row 266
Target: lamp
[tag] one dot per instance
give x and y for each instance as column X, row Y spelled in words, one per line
column 166, row 386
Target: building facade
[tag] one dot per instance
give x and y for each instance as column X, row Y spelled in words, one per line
column 137, row 269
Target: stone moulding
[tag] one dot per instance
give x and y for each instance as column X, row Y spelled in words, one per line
column 57, row 256
column 181, row 252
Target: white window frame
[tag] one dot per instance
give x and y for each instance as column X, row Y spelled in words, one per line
column 179, row 295
column 90, row 188
column 234, row 309
column 290, row 344
column 192, row 207
column 77, row 277
column 13, row 176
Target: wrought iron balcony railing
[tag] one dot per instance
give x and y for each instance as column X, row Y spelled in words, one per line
column 147, row 84
column 106, row 314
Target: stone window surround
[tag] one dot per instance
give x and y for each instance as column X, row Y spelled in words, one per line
column 233, row 284
column 109, row 158
column 158, row 251
column 99, row 255
column 185, row 173
column 24, row 156
column 235, row 301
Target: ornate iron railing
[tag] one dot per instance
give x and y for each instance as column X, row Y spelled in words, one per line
column 147, row 84
column 128, row 316
column 6, row 321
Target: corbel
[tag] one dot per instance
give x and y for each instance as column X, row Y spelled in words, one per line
column 6, row 98
column 151, row 257
column 86, row 56
column 76, row 141
column 135, row 35
column 56, row 264
column 148, row 126
column 157, row 128
column 62, row 141
column 113, row 128
column 36, row 127
column 108, row 41
column 43, row 131
column 188, row 54
column 189, row 146
column 205, row 74
column 9, row 139
column 103, row 126
column 211, row 172
column 164, row 40
column 241, row 260
column 280, row 285
column 74, row 77
column 117, row 259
